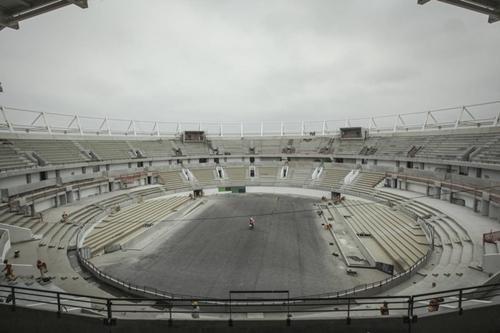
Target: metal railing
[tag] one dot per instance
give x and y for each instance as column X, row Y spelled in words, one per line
column 18, row 120
column 158, row 308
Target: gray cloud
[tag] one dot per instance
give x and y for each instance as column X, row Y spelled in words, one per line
column 241, row 60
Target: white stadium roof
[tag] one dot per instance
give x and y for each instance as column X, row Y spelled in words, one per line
column 488, row 7
column 14, row 11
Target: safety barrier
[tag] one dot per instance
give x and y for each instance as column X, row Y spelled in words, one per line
column 111, row 309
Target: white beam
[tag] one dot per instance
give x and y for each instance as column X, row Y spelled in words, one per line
column 4, row 114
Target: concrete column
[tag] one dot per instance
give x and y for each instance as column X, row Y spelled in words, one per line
column 71, row 196
column 485, row 204
column 437, row 192
column 56, row 200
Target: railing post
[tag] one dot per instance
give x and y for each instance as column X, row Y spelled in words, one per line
column 230, row 311
column 460, row 309
column 58, row 304
column 170, row 305
column 410, row 318
column 109, row 321
column 13, row 294
column 349, row 311
column 288, row 315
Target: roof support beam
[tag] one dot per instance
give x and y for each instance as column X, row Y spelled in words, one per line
column 12, row 21
column 490, row 8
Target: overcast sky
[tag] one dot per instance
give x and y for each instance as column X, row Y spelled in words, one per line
column 250, row 60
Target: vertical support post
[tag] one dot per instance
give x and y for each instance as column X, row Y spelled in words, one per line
column 13, row 293
column 157, row 129
column 110, row 312
column 497, row 119
column 11, row 129
column 459, row 117
column 302, row 128
column 261, row 128
column 221, row 131
column 395, row 128
column 199, row 126
column 134, row 130
column 460, row 297
column 78, row 123
column 241, row 129
column 348, row 311
column 281, row 128
column 410, row 312
column 230, row 311
column 323, row 130
column 105, row 122
column 59, row 304
column 288, row 315
column 44, row 117
column 424, row 126
column 170, row 306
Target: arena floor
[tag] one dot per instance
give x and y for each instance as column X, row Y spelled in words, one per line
column 212, row 251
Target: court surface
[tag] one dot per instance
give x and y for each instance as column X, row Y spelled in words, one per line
column 213, row 251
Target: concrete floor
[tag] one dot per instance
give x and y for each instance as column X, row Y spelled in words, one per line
column 211, row 254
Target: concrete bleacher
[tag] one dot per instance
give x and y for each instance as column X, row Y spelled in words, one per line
column 230, row 146
column 489, row 153
column 156, row 148
column 394, row 145
column 237, row 174
column 51, row 151
column 454, row 146
column 63, row 235
column 365, row 182
column 120, row 226
column 20, row 220
column 313, row 145
column 300, row 173
column 204, row 177
column 394, row 232
column 332, row 177
column 348, row 147
column 454, row 240
column 10, row 159
column 173, row 180
column 267, row 173
column 192, row 148
column 108, row 149
column 272, row 146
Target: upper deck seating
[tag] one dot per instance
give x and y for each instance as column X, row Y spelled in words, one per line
column 52, row 151
column 452, row 146
column 313, row 145
column 156, row 148
column 230, row 146
column 10, row 159
column 332, row 177
column 109, row 149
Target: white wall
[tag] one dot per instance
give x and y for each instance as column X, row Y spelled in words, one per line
column 4, row 243
column 491, row 262
column 288, row 191
column 491, row 174
column 15, row 181
column 44, row 204
column 17, row 234
column 88, row 192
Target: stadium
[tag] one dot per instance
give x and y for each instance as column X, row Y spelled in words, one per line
column 386, row 223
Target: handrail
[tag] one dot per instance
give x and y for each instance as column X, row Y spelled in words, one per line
column 113, row 307
column 20, row 120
